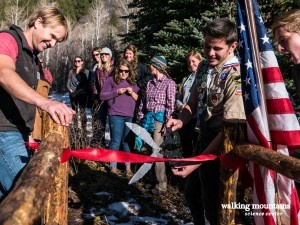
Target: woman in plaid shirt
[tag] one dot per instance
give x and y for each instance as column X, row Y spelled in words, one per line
column 155, row 109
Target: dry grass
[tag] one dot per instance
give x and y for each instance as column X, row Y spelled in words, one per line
column 87, row 178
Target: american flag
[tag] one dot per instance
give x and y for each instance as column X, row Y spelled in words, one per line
column 270, row 117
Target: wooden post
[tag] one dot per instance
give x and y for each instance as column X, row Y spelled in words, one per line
column 233, row 133
column 24, row 204
column 42, row 185
column 56, row 206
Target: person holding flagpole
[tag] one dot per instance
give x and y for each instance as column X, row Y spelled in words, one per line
column 215, row 97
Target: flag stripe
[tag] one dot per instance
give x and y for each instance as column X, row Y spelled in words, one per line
column 280, row 91
column 283, row 122
column 275, row 107
column 268, row 58
column 272, row 75
column 285, row 137
column 262, row 198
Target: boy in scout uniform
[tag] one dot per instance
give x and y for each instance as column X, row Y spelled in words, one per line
column 215, row 97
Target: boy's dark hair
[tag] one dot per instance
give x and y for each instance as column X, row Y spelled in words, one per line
column 221, row 28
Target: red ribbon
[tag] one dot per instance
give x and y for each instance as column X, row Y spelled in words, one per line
column 108, row 155
column 33, row 146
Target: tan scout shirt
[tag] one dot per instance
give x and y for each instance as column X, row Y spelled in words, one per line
column 222, row 98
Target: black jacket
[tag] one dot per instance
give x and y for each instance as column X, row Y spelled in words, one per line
column 15, row 114
column 143, row 76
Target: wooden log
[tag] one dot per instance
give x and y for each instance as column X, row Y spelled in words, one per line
column 56, row 205
column 286, row 165
column 229, row 177
column 24, row 204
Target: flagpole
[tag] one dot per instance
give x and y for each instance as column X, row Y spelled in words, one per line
column 259, row 78
column 255, row 55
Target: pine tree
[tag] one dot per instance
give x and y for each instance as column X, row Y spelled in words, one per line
column 149, row 19
column 173, row 28
column 74, row 9
column 184, row 32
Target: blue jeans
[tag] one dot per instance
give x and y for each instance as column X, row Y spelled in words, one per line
column 118, row 134
column 13, row 158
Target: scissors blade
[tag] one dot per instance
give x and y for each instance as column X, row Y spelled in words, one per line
column 146, row 137
column 143, row 134
column 143, row 169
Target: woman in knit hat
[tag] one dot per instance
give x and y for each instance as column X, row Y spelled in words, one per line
column 155, row 109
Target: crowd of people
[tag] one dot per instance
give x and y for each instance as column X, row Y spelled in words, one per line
column 126, row 90
column 130, row 91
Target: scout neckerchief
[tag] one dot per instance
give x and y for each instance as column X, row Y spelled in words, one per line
column 201, row 82
column 201, row 90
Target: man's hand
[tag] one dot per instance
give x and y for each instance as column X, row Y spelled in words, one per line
column 184, row 171
column 59, row 112
column 174, row 124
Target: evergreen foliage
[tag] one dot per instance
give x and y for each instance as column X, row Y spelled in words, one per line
column 174, row 27
column 74, row 9
column 175, row 31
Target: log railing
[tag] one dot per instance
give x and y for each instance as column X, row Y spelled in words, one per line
column 235, row 148
column 41, row 193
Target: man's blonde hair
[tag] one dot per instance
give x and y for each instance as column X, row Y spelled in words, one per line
column 289, row 20
column 51, row 17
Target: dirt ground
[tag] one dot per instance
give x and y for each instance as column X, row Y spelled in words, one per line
column 87, row 178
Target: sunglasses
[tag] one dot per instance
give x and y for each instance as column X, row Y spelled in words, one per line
column 104, row 54
column 76, row 61
column 97, row 54
column 121, row 71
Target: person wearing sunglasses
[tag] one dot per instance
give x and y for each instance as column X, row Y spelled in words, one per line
column 78, row 87
column 142, row 76
column 120, row 92
column 96, row 58
column 93, row 102
column 103, row 70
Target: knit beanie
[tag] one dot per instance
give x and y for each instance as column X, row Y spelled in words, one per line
column 159, row 62
column 106, row 50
